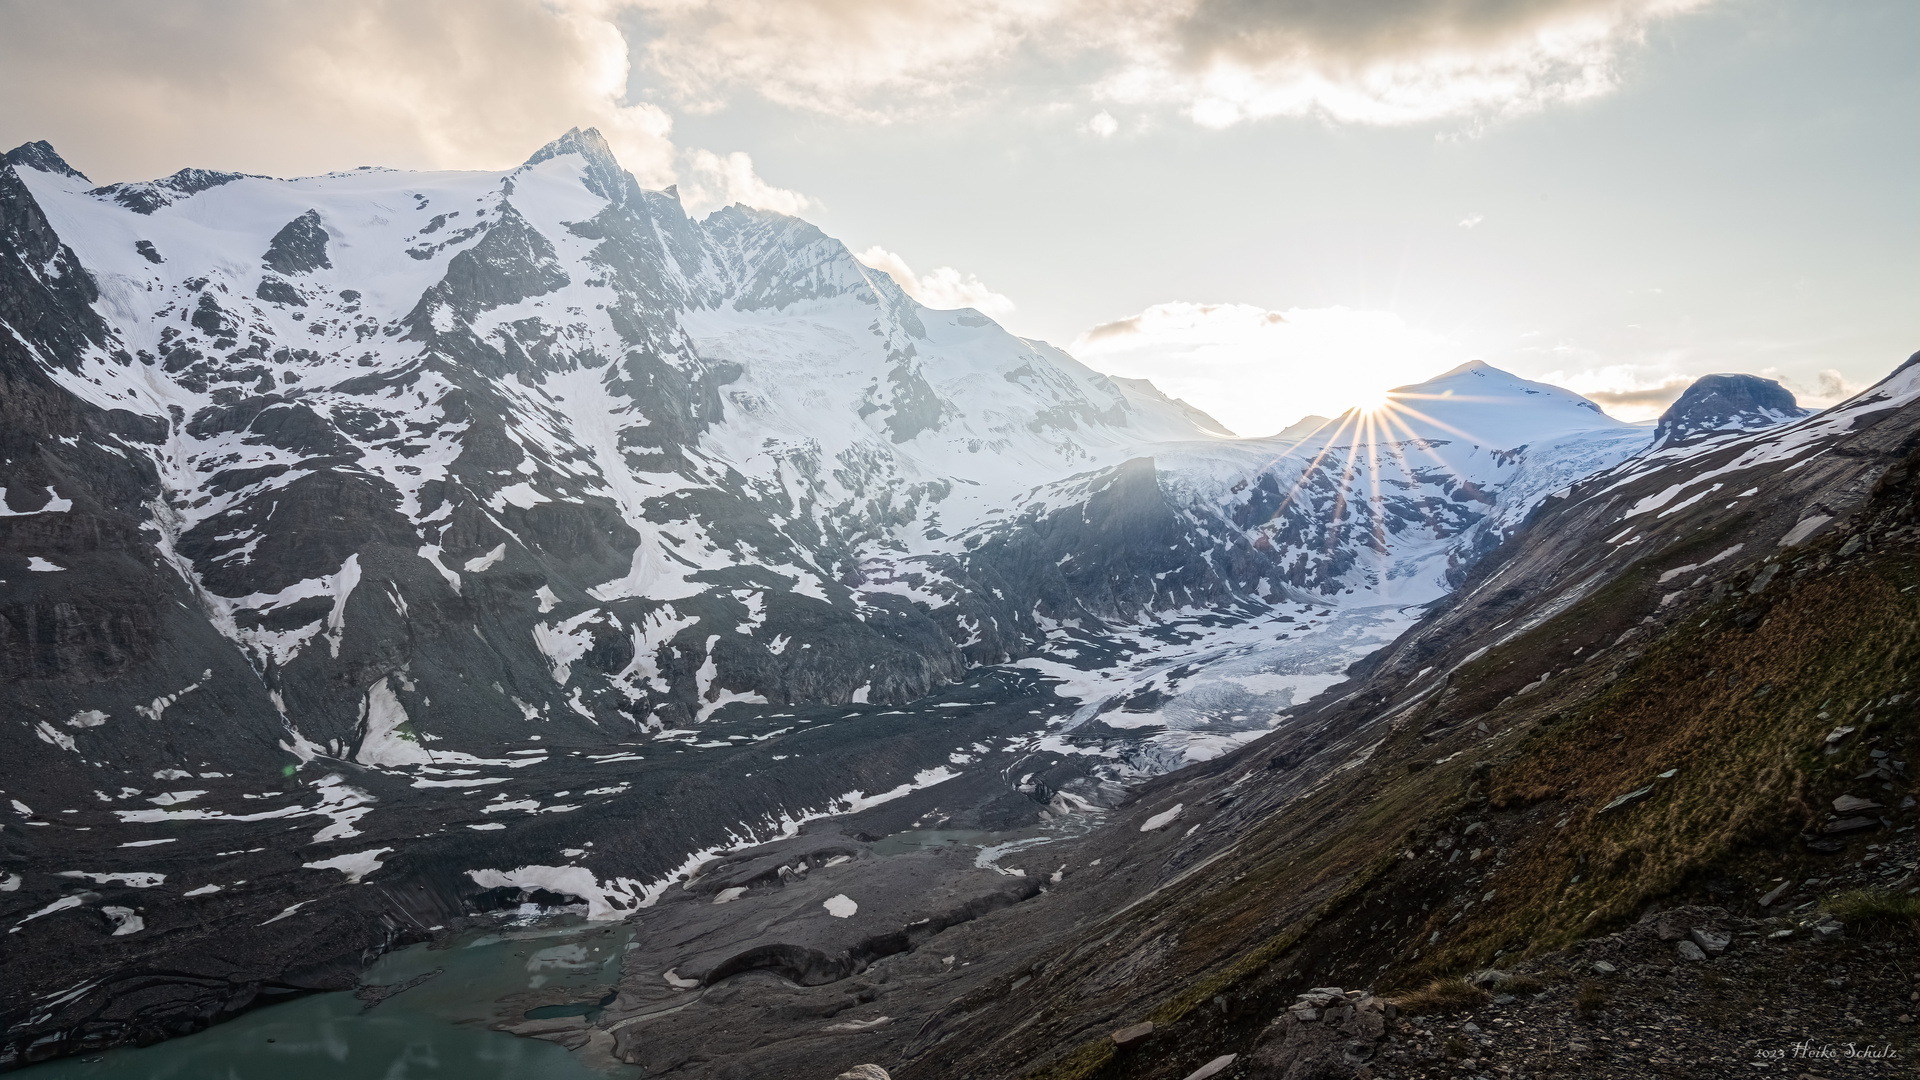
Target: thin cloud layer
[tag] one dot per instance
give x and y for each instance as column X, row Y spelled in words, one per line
column 1640, row 392
column 943, row 287
column 841, row 57
column 129, row 89
column 1258, row 370
column 1401, row 61
column 1219, row 61
column 1633, row 392
column 1642, row 399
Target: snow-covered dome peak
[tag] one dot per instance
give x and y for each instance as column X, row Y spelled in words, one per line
column 1475, row 403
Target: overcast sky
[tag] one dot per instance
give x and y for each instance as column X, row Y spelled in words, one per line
column 1269, row 208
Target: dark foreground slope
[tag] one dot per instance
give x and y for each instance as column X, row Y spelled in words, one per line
column 1656, row 725
column 1612, row 718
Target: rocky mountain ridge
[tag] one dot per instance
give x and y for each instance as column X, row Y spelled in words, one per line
column 640, row 467
column 1718, row 403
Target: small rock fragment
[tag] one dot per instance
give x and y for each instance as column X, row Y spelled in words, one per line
column 1601, row 967
column 1775, row 893
column 1690, row 952
column 1711, row 941
column 1212, row 1068
column 1853, row 804
column 1851, row 824
column 1628, row 799
column 1133, row 1034
column 864, row 1072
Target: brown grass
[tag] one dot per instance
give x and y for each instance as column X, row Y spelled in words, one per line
column 1592, row 998
column 1441, row 996
column 1737, row 713
column 1876, row 913
column 1521, row 984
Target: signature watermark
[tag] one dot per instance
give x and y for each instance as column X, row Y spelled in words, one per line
column 1811, row 1050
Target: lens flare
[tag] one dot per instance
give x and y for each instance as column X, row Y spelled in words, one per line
column 1393, row 428
column 1375, row 404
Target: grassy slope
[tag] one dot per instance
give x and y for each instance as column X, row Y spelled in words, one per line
column 1738, row 698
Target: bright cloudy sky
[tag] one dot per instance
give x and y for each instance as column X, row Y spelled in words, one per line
column 1269, row 207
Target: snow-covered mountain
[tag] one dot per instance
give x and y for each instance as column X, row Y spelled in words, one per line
column 369, row 394
column 403, row 426
column 441, row 513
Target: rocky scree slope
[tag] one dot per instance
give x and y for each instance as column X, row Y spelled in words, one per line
column 1640, row 861
column 1643, row 700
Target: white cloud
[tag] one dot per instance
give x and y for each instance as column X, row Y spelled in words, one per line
column 1471, row 220
column 131, row 89
column 1629, row 392
column 719, row 180
column 1641, row 390
column 1829, row 387
column 1230, row 61
column 1221, row 62
column 943, row 287
column 134, row 90
column 845, row 58
column 1258, row 370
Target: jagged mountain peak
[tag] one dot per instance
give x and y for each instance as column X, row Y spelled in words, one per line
column 774, row 260
column 603, row 176
column 40, row 154
column 1727, row 402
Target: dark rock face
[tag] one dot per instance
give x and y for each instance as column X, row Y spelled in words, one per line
column 1717, row 403
column 44, row 293
column 149, row 196
column 275, row 291
column 40, row 155
column 511, row 263
column 300, row 247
